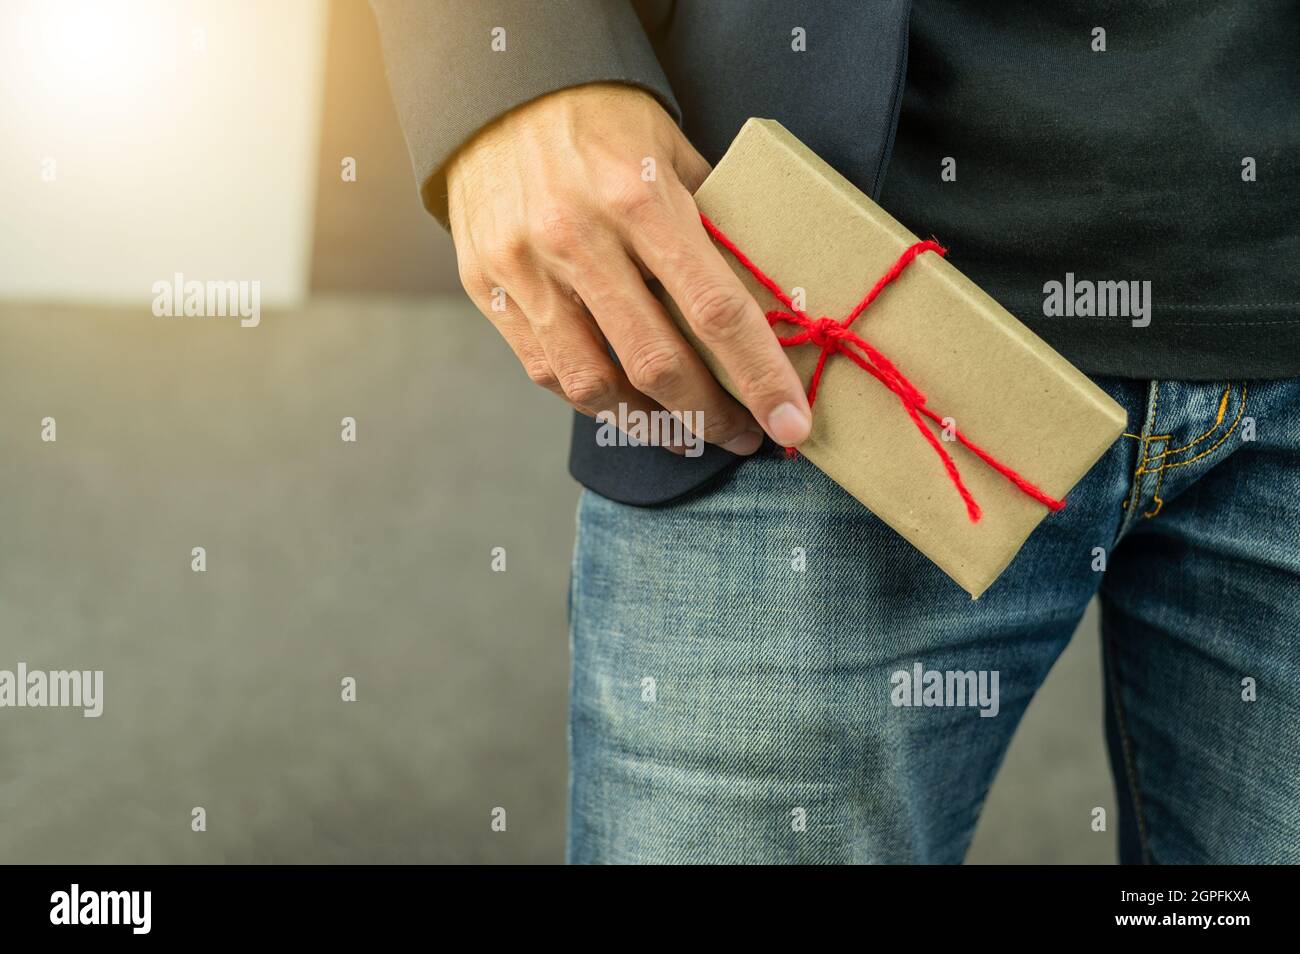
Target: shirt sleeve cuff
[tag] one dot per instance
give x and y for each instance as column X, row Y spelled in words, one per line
column 454, row 68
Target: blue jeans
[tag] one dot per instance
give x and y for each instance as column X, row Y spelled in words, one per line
column 732, row 702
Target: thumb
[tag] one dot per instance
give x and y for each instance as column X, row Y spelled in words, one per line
column 691, row 168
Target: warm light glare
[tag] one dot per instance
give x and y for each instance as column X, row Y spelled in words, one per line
column 145, row 138
column 90, row 57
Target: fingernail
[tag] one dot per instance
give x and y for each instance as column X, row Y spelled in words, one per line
column 789, row 425
column 745, row 444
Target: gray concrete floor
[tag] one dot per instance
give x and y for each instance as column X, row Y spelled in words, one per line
column 328, row 560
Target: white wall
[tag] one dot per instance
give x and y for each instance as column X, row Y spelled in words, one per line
column 183, row 138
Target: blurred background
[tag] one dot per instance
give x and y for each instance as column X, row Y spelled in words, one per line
column 210, row 137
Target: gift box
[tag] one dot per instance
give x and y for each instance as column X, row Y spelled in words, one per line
column 933, row 406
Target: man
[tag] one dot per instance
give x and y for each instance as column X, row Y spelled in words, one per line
column 738, row 621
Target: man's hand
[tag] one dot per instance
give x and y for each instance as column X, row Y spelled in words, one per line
column 550, row 209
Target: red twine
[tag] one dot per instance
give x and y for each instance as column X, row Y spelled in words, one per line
column 834, row 337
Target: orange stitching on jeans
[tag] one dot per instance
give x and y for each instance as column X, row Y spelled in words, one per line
column 1223, row 410
column 1240, row 413
column 1146, row 444
column 1155, row 495
column 1135, row 493
column 1156, row 499
column 1241, row 410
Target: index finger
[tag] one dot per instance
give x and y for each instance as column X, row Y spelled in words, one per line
column 672, row 243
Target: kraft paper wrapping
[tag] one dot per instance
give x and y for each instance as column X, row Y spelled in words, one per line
column 807, row 226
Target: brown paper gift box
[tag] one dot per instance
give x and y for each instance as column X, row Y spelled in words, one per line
column 808, row 227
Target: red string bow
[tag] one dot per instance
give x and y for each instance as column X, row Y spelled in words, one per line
column 835, row 337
